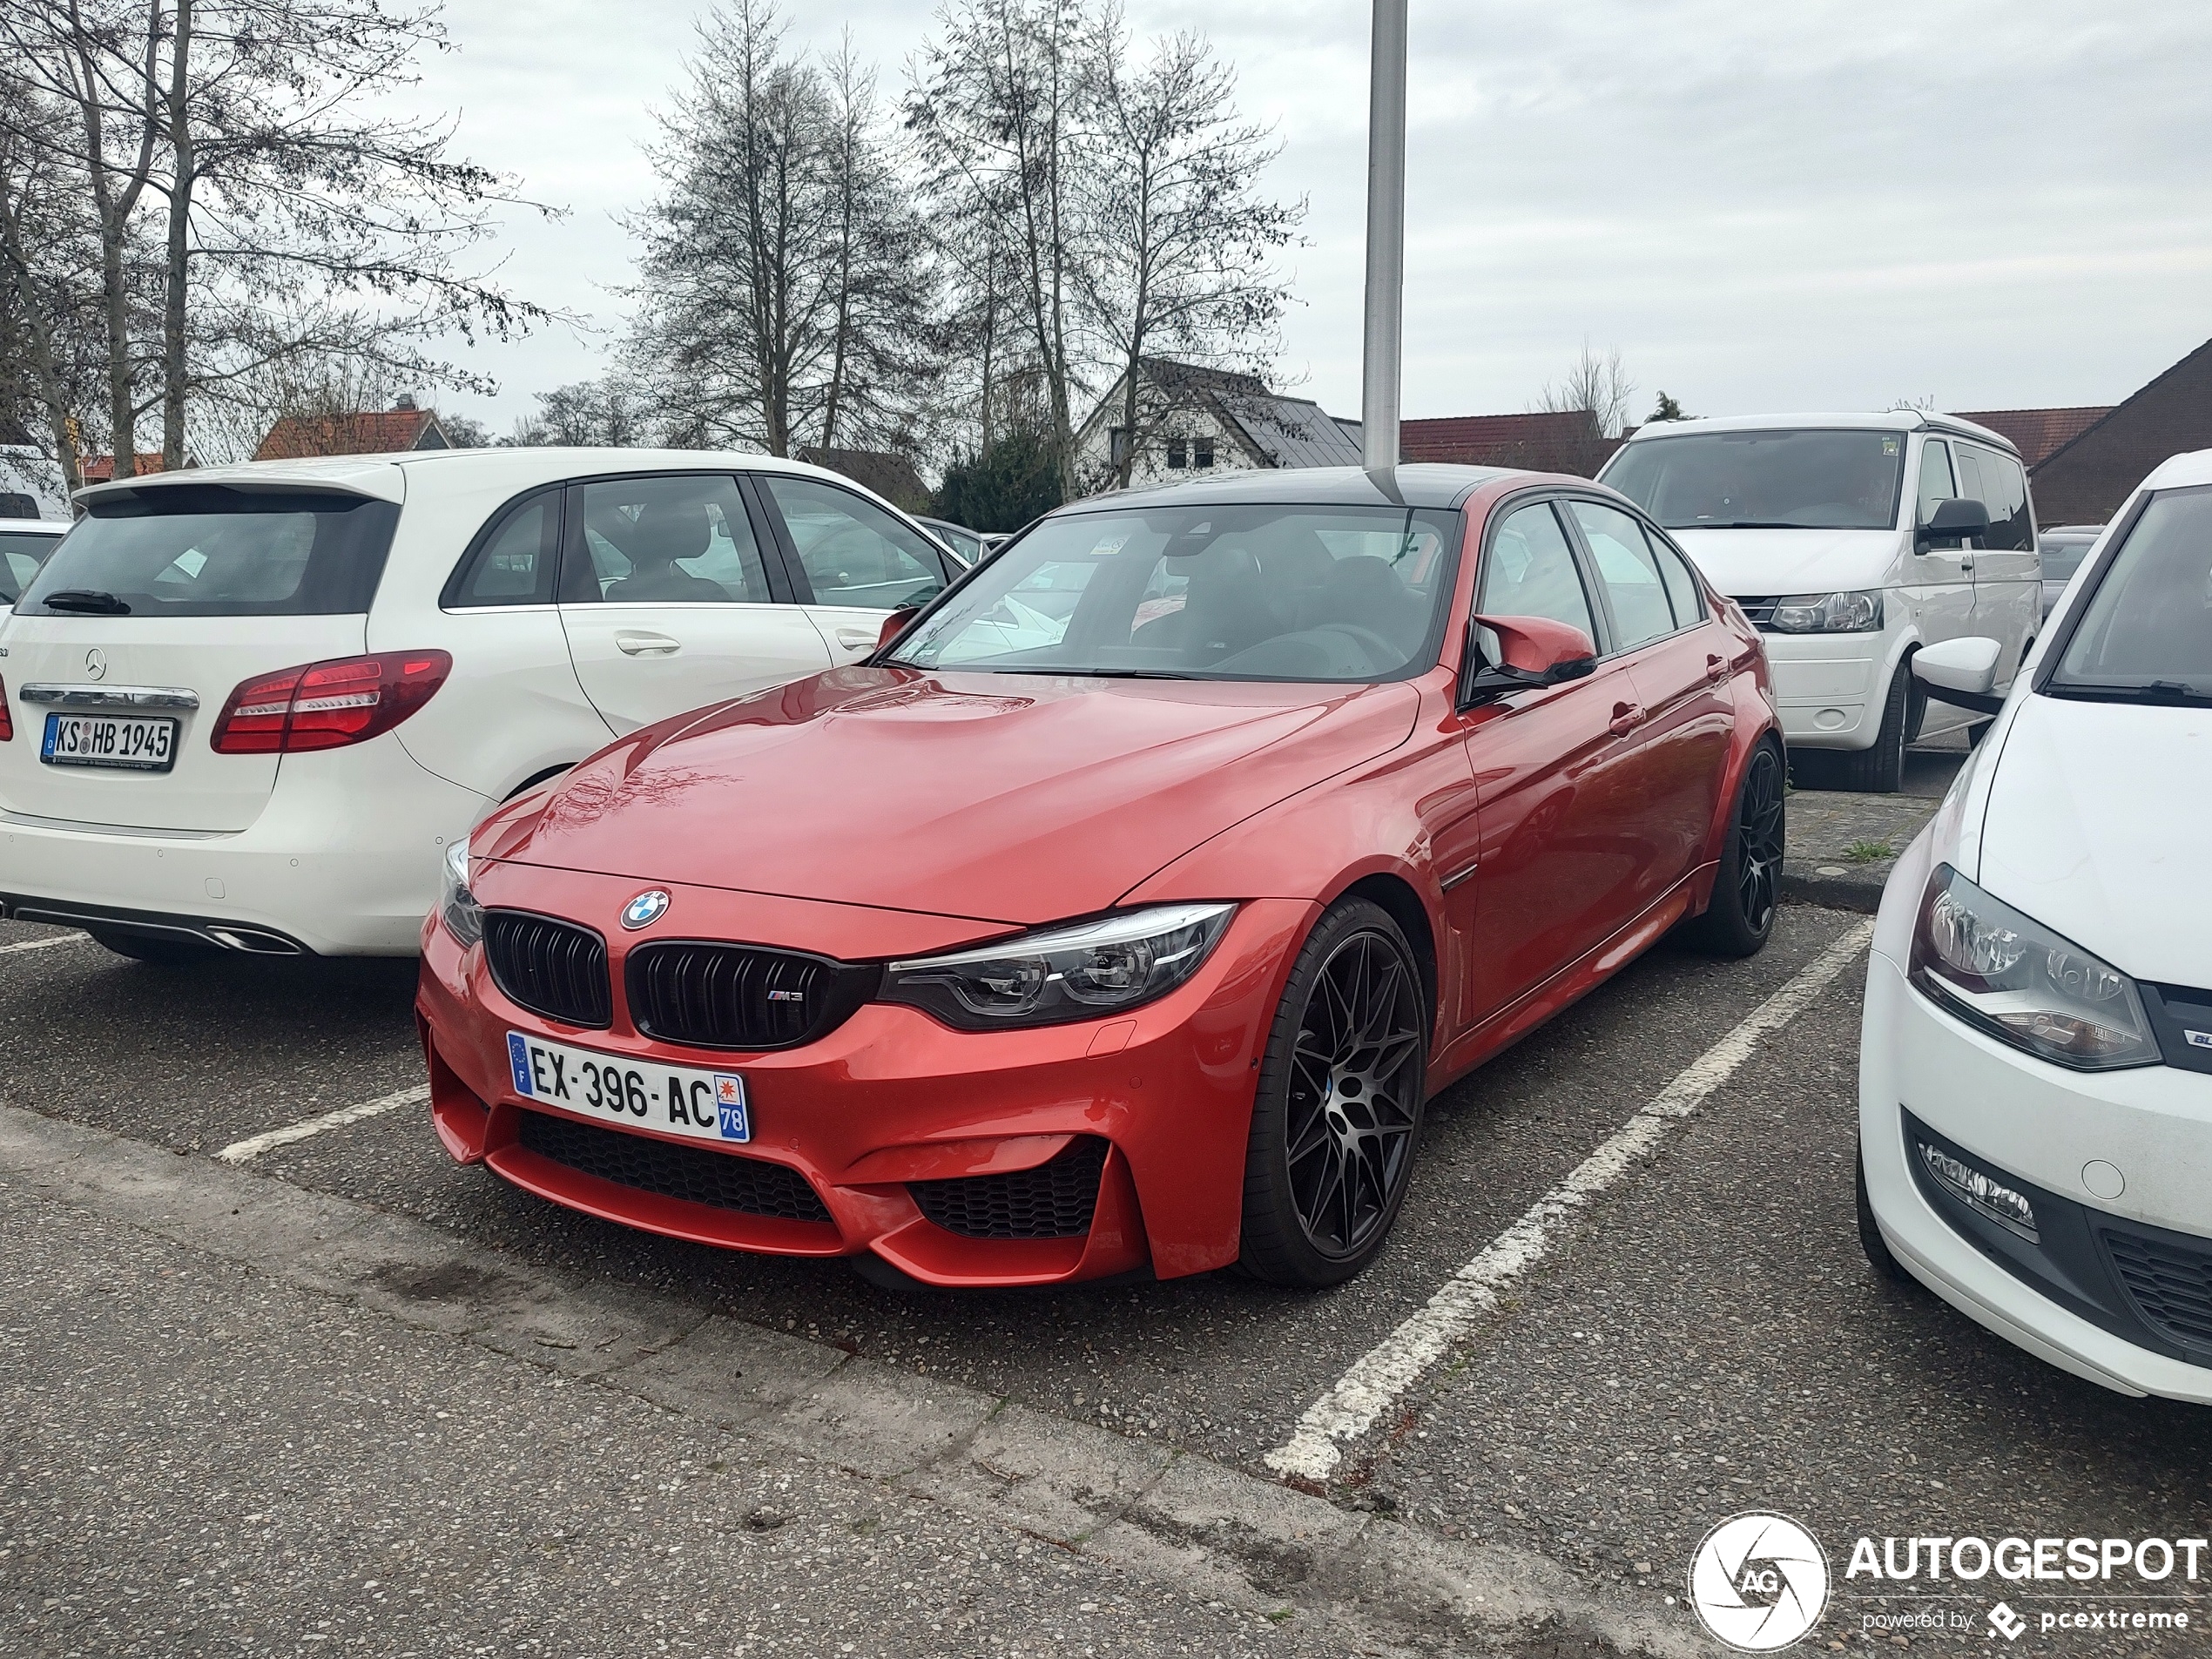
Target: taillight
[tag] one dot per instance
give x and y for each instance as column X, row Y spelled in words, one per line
column 326, row 706
column 7, row 721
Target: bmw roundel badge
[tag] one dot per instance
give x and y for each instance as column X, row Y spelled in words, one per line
column 645, row 909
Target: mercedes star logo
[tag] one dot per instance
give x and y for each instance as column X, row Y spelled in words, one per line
column 96, row 663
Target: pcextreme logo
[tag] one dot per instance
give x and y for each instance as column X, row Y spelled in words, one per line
column 1759, row 1581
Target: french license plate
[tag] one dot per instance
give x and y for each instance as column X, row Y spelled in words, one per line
column 109, row 740
column 675, row 1100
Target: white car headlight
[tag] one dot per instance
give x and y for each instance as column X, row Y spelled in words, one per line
column 1829, row 613
column 2022, row 983
column 457, row 907
column 1080, row 971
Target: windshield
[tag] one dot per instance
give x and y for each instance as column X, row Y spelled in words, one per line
column 2146, row 631
column 1251, row 593
column 1817, row 480
column 205, row 550
column 21, row 554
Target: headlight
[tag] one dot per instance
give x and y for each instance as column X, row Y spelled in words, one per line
column 1829, row 613
column 1082, row 971
column 464, row 916
column 2019, row 980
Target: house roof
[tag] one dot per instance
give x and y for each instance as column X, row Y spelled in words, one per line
column 369, row 432
column 2038, row 434
column 97, row 469
column 1278, row 431
column 1567, row 441
column 892, row 476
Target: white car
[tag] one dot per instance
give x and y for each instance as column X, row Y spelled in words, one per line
column 251, row 705
column 25, row 543
column 1851, row 540
column 2035, row 1067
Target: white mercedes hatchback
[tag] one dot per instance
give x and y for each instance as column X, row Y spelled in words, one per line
column 2035, row 1066
column 248, row 708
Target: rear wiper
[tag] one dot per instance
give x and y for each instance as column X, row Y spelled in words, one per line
column 90, row 601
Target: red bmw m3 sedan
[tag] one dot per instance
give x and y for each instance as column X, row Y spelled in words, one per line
column 1124, row 910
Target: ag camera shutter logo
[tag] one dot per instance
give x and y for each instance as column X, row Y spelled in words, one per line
column 1759, row 1581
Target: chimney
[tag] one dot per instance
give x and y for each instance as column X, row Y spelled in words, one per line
column 405, row 401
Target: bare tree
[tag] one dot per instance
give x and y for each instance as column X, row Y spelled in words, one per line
column 783, row 285
column 301, row 220
column 997, row 106
column 1179, row 245
column 601, row 413
column 1598, row 383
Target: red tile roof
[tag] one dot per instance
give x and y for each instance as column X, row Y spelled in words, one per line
column 2038, row 433
column 100, row 469
column 1553, row 442
column 373, row 432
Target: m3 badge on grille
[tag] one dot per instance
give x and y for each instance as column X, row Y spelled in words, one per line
column 645, row 909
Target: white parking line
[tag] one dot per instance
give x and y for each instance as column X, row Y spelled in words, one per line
column 1376, row 1380
column 253, row 1145
column 43, row 944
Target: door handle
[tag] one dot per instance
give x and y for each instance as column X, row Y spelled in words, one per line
column 1967, row 564
column 857, row 639
column 1715, row 668
column 647, row 645
column 1627, row 717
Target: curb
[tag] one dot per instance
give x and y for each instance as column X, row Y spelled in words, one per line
column 1835, row 886
column 1142, row 1507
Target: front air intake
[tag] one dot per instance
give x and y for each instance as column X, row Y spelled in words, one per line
column 1054, row 1200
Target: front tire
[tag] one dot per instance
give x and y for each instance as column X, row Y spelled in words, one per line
column 1337, row 1116
column 1870, row 1235
column 1739, row 918
column 1880, row 770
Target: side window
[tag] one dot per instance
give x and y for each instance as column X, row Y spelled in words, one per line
column 854, row 553
column 1682, row 587
column 512, row 564
column 673, row 540
column 1531, row 572
column 1630, row 574
column 2003, row 491
column 1936, row 482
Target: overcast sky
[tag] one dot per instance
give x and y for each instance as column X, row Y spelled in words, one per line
column 1820, row 204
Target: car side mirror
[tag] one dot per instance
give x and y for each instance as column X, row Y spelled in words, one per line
column 1962, row 672
column 1530, row 651
column 1953, row 521
column 895, row 623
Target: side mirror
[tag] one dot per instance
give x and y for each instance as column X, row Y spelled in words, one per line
column 1963, row 672
column 895, row 623
column 1953, row 521
column 1531, row 651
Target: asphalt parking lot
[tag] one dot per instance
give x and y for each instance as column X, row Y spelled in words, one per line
column 1702, row 1338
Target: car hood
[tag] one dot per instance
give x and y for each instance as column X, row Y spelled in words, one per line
column 2100, row 825
column 1770, row 563
column 1007, row 799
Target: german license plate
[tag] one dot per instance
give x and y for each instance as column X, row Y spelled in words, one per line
column 635, row 1094
column 109, row 740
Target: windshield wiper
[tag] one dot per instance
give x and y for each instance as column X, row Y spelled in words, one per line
column 2165, row 693
column 90, row 601
column 1744, row 524
column 1116, row 673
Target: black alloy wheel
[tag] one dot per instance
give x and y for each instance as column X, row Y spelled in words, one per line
column 1337, row 1115
column 1740, row 917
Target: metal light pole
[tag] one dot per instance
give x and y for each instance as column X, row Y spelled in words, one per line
column 1385, row 327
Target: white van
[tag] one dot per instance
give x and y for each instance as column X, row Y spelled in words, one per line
column 1851, row 540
